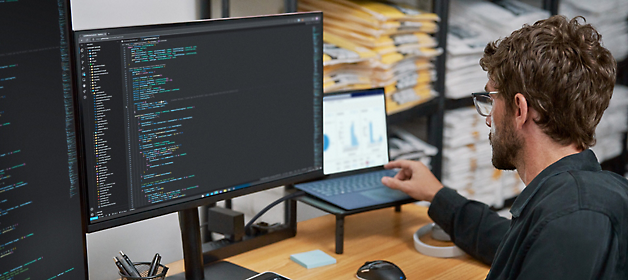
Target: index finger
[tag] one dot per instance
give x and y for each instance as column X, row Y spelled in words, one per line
column 404, row 163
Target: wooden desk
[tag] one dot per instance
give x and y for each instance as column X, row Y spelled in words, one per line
column 377, row 235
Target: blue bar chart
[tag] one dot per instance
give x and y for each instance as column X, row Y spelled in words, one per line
column 354, row 133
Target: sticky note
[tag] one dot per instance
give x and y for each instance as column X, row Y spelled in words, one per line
column 313, row 259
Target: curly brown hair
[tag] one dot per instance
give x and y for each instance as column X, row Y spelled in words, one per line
column 563, row 71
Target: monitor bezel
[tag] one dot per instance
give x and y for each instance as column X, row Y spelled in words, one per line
column 141, row 215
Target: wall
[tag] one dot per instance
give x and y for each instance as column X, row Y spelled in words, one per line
column 90, row 14
column 141, row 240
column 241, row 8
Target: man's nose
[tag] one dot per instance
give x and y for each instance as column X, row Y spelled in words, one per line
column 488, row 121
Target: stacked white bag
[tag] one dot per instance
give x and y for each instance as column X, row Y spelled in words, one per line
column 472, row 25
column 610, row 131
column 467, row 165
column 607, row 16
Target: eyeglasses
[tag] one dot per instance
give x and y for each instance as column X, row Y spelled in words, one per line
column 483, row 102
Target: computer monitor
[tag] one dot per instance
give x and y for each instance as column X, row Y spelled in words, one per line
column 41, row 230
column 175, row 116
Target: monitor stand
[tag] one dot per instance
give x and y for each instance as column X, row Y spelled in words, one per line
column 193, row 254
column 208, row 265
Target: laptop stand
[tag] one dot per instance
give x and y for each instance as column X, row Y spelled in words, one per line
column 341, row 214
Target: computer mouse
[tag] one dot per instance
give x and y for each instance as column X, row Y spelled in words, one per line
column 380, row 270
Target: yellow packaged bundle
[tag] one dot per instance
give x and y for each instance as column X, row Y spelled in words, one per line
column 390, row 59
column 408, row 65
column 358, row 68
column 364, row 40
column 407, row 43
column 386, row 11
column 339, row 50
column 407, row 98
column 401, row 82
column 373, row 18
column 384, row 78
column 378, row 15
column 382, row 43
column 345, row 81
column 386, row 29
column 345, row 77
column 333, row 9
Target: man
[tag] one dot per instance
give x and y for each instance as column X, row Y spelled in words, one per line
column 549, row 85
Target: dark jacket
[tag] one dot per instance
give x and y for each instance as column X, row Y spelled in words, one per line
column 570, row 222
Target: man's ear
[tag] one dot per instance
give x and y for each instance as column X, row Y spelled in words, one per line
column 522, row 111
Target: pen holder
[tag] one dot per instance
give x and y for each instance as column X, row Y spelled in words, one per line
column 142, row 268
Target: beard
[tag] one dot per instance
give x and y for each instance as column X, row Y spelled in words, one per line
column 506, row 146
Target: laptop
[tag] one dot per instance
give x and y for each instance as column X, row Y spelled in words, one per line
column 355, row 149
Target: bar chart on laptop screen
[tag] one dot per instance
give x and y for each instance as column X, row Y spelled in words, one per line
column 354, row 133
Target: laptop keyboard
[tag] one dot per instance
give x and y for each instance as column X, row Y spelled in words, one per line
column 349, row 184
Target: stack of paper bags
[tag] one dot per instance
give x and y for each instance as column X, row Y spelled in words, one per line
column 608, row 17
column 610, row 132
column 396, row 38
column 472, row 25
column 465, row 46
column 467, row 165
column 405, row 145
column 345, row 64
column 499, row 17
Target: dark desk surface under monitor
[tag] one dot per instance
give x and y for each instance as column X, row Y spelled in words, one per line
column 375, row 235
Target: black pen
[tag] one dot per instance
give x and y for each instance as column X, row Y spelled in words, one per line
column 129, row 266
column 120, row 267
column 154, row 265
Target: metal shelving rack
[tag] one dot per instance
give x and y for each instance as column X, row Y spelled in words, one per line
column 436, row 120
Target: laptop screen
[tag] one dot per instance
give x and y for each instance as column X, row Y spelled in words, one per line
column 354, row 128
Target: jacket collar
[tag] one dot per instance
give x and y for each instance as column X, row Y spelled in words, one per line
column 584, row 160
